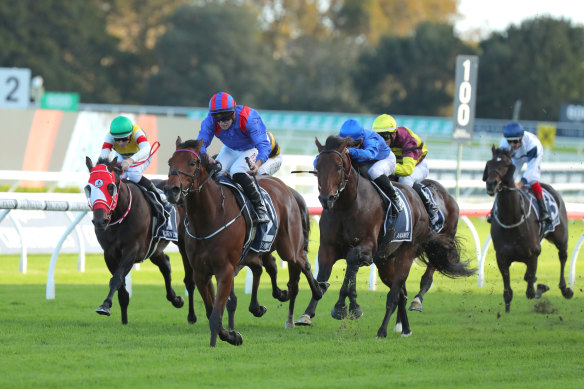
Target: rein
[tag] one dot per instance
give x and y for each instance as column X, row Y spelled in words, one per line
column 186, row 222
column 524, row 216
column 127, row 210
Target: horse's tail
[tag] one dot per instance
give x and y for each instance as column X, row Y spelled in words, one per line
column 304, row 215
column 443, row 252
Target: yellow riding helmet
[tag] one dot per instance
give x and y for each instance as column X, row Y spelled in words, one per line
column 384, row 123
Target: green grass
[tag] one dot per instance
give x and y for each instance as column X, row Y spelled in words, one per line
column 462, row 339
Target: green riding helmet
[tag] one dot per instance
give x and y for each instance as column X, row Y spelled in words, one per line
column 121, row 127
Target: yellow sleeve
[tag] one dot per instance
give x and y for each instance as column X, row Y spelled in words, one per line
column 405, row 168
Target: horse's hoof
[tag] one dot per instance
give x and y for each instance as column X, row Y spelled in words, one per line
column 381, row 333
column 355, row 312
column 289, row 325
column 406, row 334
column 416, row 305
column 541, row 289
column 303, row 320
column 567, row 293
column 178, row 302
column 191, row 319
column 235, row 338
column 397, row 328
column 282, row 296
column 103, row 311
column 258, row 311
column 339, row 313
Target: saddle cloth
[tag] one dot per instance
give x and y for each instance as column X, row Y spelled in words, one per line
column 163, row 225
column 402, row 223
column 258, row 239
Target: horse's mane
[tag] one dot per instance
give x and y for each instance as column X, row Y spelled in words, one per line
column 193, row 144
column 106, row 161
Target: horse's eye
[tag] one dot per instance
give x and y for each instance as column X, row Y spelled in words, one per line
column 111, row 188
column 193, row 163
column 339, row 168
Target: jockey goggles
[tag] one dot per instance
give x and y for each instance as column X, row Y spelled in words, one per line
column 222, row 116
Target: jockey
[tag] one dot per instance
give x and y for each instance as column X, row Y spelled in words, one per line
column 373, row 150
column 526, row 148
column 410, row 152
column 130, row 146
column 244, row 135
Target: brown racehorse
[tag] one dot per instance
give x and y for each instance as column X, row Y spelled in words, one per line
column 515, row 227
column 216, row 233
column 123, row 222
column 350, row 226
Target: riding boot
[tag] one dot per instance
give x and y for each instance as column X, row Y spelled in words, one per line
column 387, row 187
column 148, row 185
column 253, row 193
column 431, row 208
column 544, row 215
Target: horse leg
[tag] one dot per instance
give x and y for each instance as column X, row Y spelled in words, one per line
column 224, row 288
column 124, row 301
column 390, row 306
column 530, row 277
column 326, row 258
column 269, row 263
column 339, row 311
column 115, row 283
column 163, row 262
column 293, row 279
column 507, row 291
column 254, row 306
column 563, row 255
column 231, row 307
column 189, row 281
column 402, row 313
column 425, row 284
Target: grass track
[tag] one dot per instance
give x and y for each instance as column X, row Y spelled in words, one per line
column 462, row 339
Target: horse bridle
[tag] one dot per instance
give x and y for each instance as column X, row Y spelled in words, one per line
column 344, row 176
column 193, row 177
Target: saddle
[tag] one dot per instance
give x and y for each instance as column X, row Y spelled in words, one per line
column 163, row 226
column 258, row 238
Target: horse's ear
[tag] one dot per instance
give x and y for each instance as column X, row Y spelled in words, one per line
column 319, row 146
column 178, row 141
column 113, row 164
column 493, row 150
column 88, row 163
column 198, row 145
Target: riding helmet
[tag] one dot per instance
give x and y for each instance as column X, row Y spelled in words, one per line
column 513, row 131
column 121, row 127
column 353, row 129
column 221, row 102
column 384, row 123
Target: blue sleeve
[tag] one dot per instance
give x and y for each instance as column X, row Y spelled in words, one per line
column 532, row 154
column 368, row 153
column 257, row 132
column 206, row 133
column 314, row 163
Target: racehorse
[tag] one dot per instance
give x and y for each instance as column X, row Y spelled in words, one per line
column 515, row 229
column 216, row 233
column 350, row 227
column 122, row 219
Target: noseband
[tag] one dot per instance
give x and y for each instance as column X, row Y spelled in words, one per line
column 344, row 176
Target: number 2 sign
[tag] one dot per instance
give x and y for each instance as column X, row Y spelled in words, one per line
column 14, row 88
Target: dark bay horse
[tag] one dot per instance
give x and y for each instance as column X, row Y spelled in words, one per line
column 123, row 223
column 515, row 227
column 216, row 233
column 350, row 228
